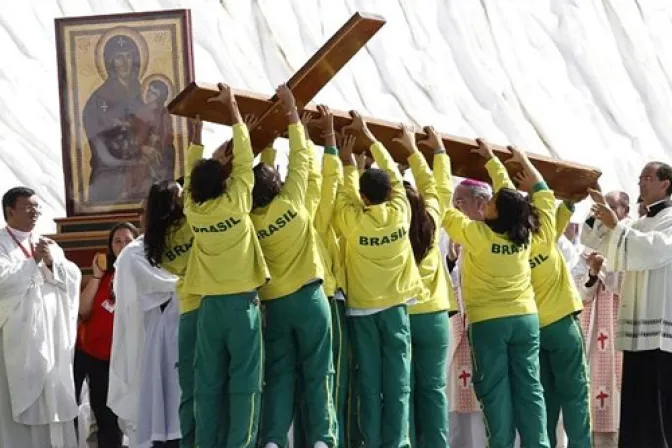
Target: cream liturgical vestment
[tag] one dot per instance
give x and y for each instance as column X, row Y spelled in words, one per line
column 144, row 391
column 38, row 327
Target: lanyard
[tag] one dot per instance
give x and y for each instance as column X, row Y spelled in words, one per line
column 23, row 249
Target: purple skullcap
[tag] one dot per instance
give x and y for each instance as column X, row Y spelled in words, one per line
column 474, row 183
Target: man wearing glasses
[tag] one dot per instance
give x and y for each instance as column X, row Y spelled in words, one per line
column 39, row 297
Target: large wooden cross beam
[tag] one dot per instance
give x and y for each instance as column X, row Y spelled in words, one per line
column 568, row 180
column 305, row 83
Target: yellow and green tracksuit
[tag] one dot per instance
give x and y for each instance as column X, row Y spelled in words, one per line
column 297, row 331
column 504, row 326
column 562, row 359
column 229, row 352
column 430, row 325
column 381, row 276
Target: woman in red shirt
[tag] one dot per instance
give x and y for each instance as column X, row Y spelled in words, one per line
column 94, row 340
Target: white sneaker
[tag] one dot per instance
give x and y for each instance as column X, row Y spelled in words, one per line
column 321, row 444
column 271, row 445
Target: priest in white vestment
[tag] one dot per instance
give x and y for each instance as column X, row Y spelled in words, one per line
column 39, row 299
column 643, row 251
column 144, row 389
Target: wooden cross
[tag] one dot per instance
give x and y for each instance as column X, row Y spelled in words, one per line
column 568, row 180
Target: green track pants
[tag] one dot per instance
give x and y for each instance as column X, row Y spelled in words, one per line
column 382, row 347
column 297, row 338
column 429, row 404
column 228, row 371
column 505, row 354
column 565, row 379
column 186, row 352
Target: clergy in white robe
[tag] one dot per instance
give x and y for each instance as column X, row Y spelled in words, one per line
column 144, row 389
column 39, row 298
column 643, row 251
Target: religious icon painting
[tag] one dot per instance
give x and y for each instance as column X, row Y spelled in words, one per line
column 117, row 74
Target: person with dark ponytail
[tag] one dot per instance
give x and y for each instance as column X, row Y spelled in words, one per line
column 562, row 358
column 500, row 304
column 226, row 267
column 167, row 243
column 430, row 324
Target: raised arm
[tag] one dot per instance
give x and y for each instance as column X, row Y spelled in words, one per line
column 315, row 180
column 442, row 170
column 543, row 199
column 349, row 204
column 381, row 156
column 424, row 181
column 241, row 180
column 331, row 176
column 496, row 170
column 194, row 154
column 563, row 215
column 267, row 156
column 296, row 182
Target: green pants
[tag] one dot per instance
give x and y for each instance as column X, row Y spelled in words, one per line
column 429, row 404
column 186, row 349
column 382, row 347
column 228, row 368
column 505, row 354
column 341, row 362
column 565, row 379
column 297, row 336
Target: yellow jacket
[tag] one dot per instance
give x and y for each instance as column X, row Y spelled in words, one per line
column 554, row 287
column 436, row 191
column 226, row 257
column 285, row 229
column 319, row 208
column 496, row 273
column 175, row 260
column 380, row 268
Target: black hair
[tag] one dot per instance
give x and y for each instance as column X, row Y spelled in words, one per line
column 375, row 185
column 267, row 185
column 423, row 227
column 111, row 258
column 664, row 172
column 516, row 217
column 12, row 195
column 163, row 212
column 207, row 180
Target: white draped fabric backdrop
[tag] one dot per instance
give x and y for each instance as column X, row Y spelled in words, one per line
column 584, row 81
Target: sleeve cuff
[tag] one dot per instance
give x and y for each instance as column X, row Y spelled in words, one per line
column 540, row 186
column 331, row 150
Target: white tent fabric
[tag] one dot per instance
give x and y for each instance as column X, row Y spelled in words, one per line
column 588, row 82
